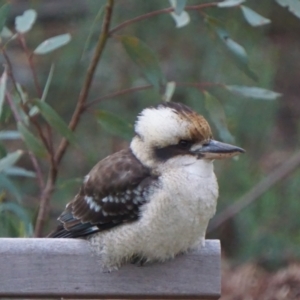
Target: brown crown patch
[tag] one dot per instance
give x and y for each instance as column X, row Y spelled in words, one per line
column 200, row 129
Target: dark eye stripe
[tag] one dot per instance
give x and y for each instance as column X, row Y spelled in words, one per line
column 163, row 154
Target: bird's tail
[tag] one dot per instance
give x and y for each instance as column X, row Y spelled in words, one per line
column 60, row 232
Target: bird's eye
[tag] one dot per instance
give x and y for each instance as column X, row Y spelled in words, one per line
column 184, row 144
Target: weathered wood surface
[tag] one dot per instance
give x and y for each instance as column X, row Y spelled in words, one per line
column 65, row 268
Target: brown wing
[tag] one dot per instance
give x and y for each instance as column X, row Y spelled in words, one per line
column 112, row 194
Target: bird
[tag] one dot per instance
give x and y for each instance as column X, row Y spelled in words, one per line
column 153, row 200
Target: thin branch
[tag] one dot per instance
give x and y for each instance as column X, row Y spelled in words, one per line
column 32, row 119
column 13, row 107
column 34, row 161
column 31, row 64
column 117, row 94
column 10, row 71
column 283, row 171
column 42, row 136
column 198, row 85
column 159, row 12
column 47, row 142
column 52, row 176
column 89, row 78
column 38, row 171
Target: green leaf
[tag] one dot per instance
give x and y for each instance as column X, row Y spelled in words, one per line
column 237, row 53
column 253, row 18
column 7, row 185
column 181, row 20
column 47, row 85
column 95, row 21
column 3, row 151
column 170, row 89
column 230, row 3
column 34, row 110
column 9, row 135
column 217, row 115
column 22, row 93
column 253, row 92
column 55, row 120
column 32, row 143
column 179, row 6
column 4, row 10
column 10, row 159
column 292, row 5
column 180, row 16
column 21, row 213
column 17, row 171
column 114, row 124
column 52, row 44
column 25, row 22
column 6, row 33
column 145, row 58
column 3, row 80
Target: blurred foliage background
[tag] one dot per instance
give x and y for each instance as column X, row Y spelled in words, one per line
column 268, row 230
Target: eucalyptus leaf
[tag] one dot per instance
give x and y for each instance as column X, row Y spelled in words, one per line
column 21, row 213
column 10, row 159
column 253, row 18
column 25, row 22
column 17, row 171
column 114, row 124
column 91, row 30
column 3, row 151
column 6, row 33
column 4, row 10
column 32, row 142
column 170, row 89
column 9, row 135
column 8, row 185
column 3, row 80
column 52, row 44
column 217, row 115
column 55, row 121
column 253, row 92
column 230, row 3
column 178, row 5
column 22, row 93
column 181, row 20
column 292, row 5
column 145, row 59
column 34, row 110
column 237, row 53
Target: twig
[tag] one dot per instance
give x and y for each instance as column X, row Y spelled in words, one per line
column 159, row 12
column 13, row 107
column 52, row 176
column 198, row 85
column 89, row 78
column 259, row 189
column 31, row 64
column 34, row 161
column 11, row 75
column 38, row 171
column 119, row 93
column 10, row 71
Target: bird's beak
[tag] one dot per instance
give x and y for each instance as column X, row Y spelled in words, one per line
column 216, row 150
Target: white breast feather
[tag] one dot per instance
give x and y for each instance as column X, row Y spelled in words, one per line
column 174, row 221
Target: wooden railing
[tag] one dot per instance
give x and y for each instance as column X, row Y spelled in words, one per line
column 46, row 268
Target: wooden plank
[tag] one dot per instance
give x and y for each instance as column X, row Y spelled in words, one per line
column 65, row 268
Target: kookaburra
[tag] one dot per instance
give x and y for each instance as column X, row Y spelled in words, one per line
column 153, row 200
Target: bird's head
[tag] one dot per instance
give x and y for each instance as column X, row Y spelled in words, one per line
column 173, row 131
